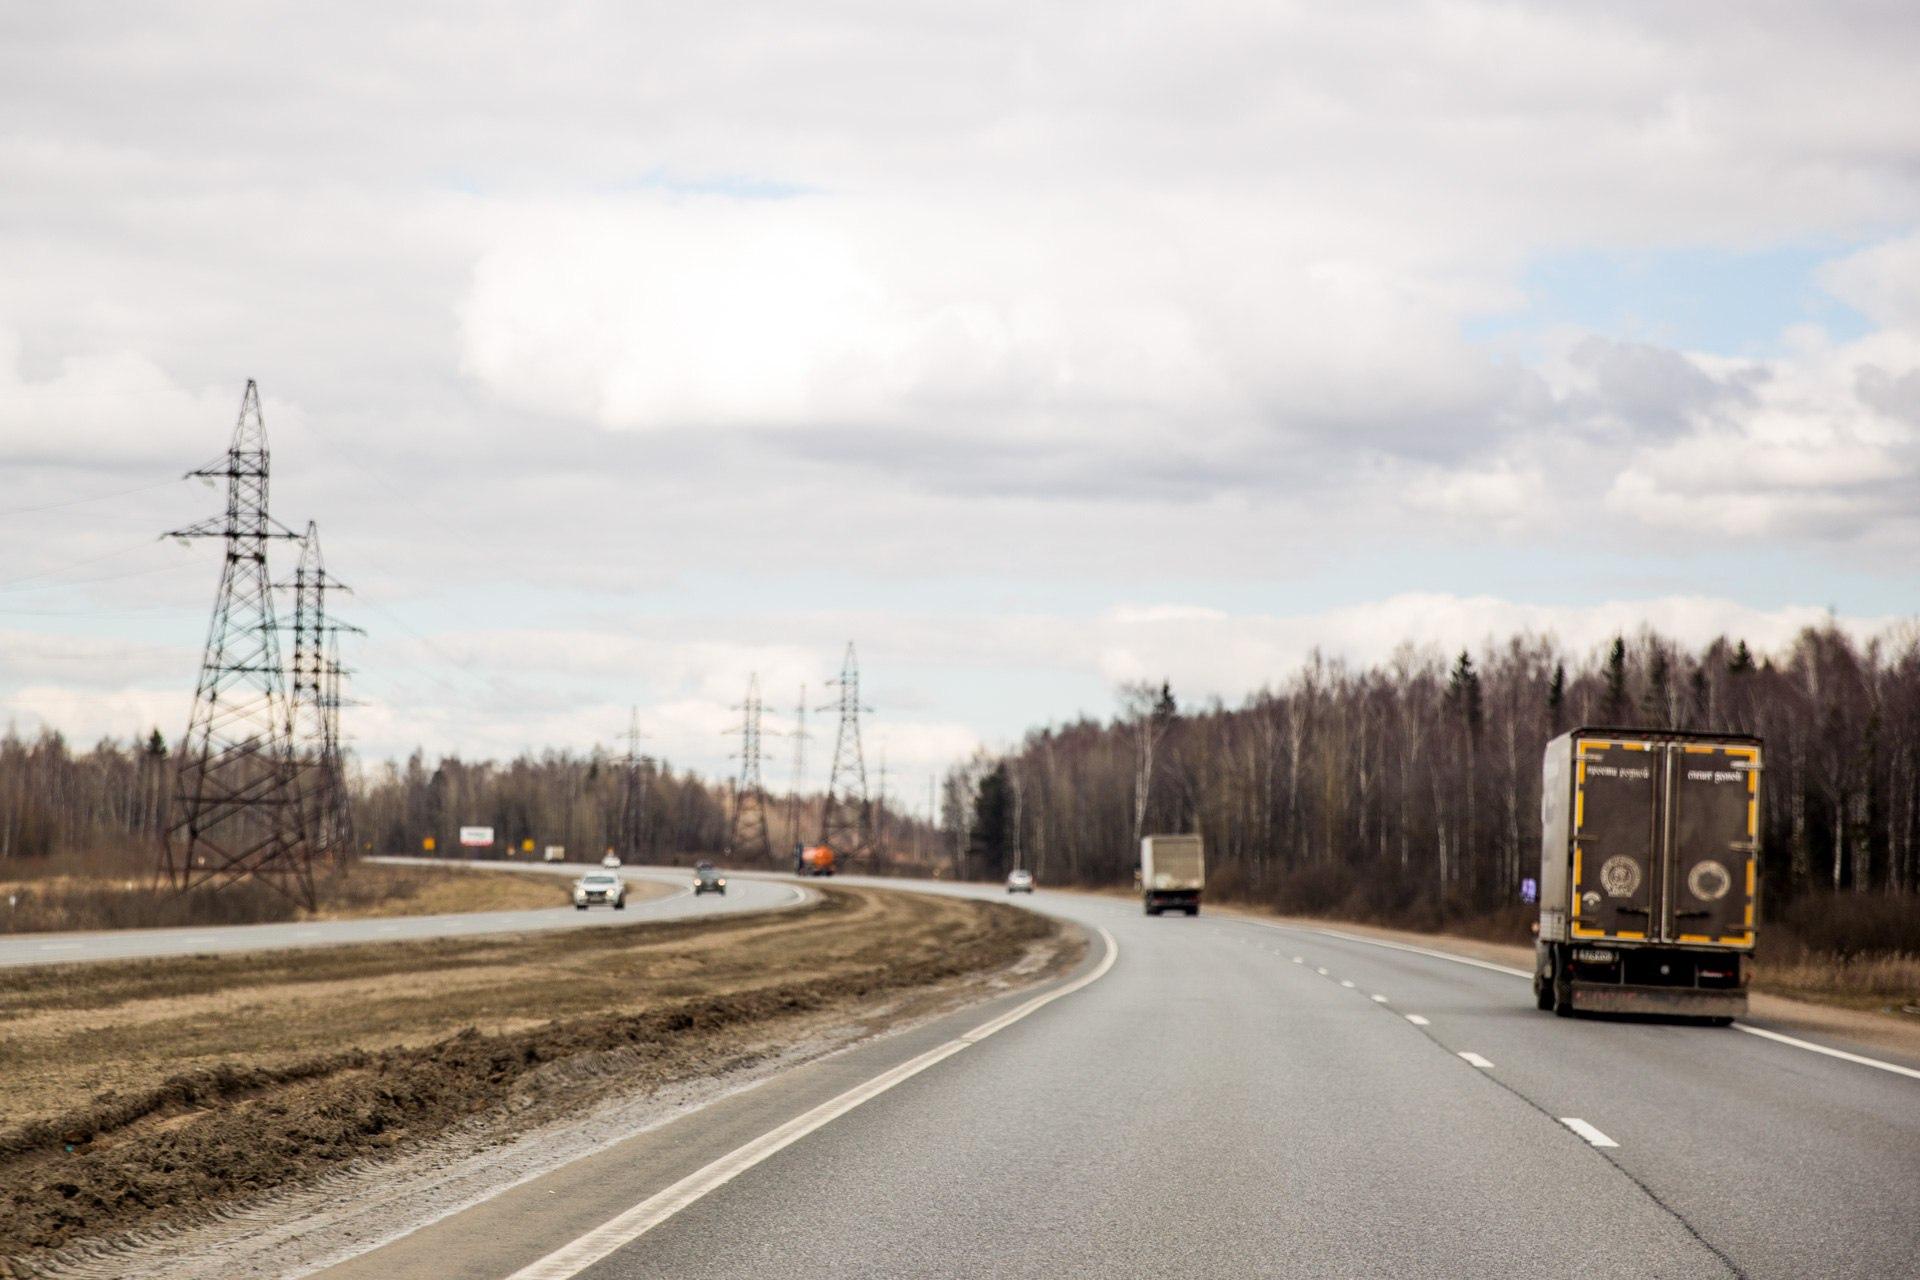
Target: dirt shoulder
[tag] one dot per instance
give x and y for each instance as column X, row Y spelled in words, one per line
column 1894, row 1033
column 149, row 1095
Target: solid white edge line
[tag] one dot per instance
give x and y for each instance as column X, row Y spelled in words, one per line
column 571, row 1259
column 1475, row 1060
column 1587, row 1131
column 1864, row 1061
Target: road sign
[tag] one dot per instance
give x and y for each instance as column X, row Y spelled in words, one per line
column 1530, row 890
column 476, row 837
column 427, row 845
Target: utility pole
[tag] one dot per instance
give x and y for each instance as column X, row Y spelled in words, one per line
column 844, row 816
column 800, row 736
column 748, row 833
column 237, row 811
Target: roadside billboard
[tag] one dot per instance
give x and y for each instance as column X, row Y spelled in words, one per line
column 476, row 837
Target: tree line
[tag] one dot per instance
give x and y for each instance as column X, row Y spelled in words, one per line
column 114, row 798
column 1411, row 789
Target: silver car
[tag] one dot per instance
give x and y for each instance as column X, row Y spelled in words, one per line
column 1019, row 881
column 599, row 887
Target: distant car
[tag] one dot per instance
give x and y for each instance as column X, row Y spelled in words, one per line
column 707, row 879
column 1019, row 881
column 611, row 860
column 599, row 887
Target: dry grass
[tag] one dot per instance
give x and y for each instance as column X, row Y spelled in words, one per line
column 1886, row 982
column 67, row 898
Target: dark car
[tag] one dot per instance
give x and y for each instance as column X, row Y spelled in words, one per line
column 707, row 879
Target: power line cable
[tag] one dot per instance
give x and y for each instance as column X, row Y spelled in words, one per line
column 79, row 502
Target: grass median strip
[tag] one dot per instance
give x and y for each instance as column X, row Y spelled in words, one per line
column 152, row 1092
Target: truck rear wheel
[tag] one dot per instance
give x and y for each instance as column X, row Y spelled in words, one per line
column 1152, row 910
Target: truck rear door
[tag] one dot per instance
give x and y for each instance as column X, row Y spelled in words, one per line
column 1713, row 815
column 1615, row 828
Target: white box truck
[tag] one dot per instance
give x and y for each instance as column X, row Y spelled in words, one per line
column 1172, row 873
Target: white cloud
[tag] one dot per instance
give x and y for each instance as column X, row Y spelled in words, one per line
column 628, row 352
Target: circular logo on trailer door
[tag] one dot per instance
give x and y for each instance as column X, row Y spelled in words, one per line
column 1709, row 881
column 1620, row 876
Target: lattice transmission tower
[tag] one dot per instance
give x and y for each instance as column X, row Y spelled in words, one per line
column 800, row 737
column 237, row 808
column 317, row 676
column 748, row 833
column 337, row 802
column 845, row 819
column 631, row 837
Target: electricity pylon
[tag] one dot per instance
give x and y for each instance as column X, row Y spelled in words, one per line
column 748, row 833
column 800, row 736
column 844, row 816
column 336, row 805
column 316, row 675
column 237, row 811
column 878, row 823
column 633, row 803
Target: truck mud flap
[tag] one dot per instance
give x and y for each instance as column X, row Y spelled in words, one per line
column 1681, row 1002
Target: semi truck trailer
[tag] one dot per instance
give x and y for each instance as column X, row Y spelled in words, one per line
column 1172, row 873
column 1649, row 873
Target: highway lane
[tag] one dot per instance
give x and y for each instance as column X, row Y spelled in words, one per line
column 1792, row 1164
column 128, row 944
column 1212, row 1107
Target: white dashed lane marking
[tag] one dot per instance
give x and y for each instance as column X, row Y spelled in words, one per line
column 1475, row 1060
column 1417, row 1020
column 1379, row 999
column 1587, row 1131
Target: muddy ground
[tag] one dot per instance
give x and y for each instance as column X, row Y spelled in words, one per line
column 148, row 1095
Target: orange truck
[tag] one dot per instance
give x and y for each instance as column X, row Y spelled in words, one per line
column 815, row 860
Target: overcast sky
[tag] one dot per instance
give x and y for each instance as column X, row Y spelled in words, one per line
column 621, row 350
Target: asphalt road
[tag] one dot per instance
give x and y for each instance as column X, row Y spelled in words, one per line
column 1239, row 1099
column 127, row 944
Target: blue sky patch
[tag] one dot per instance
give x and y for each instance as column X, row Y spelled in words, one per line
column 1727, row 302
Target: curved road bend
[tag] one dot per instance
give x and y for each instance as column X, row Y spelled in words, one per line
column 1213, row 1106
column 129, row 944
